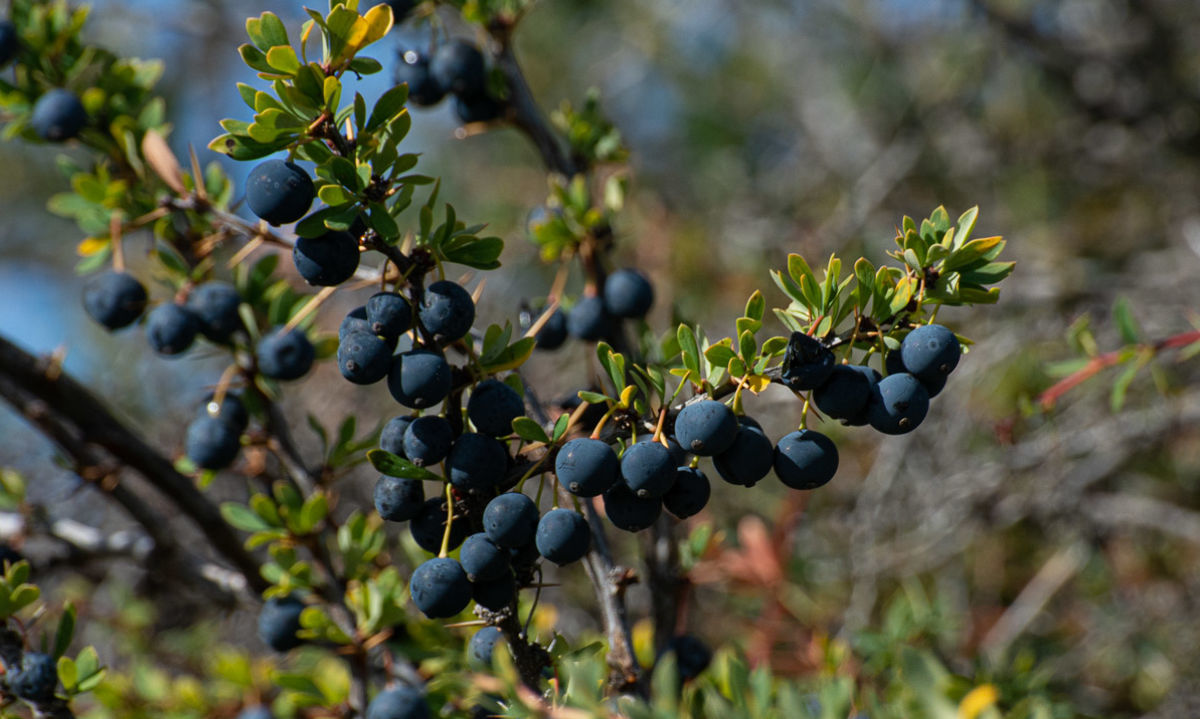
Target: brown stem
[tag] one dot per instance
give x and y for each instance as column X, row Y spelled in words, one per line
column 664, row 579
column 609, row 582
column 528, row 117
column 102, row 473
column 74, row 406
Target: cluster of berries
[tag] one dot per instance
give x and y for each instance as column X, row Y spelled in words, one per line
column 859, row 395
column 627, row 294
column 458, row 68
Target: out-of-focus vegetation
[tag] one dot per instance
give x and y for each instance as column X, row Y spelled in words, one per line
column 1007, row 546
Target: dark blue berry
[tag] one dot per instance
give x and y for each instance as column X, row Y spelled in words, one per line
column 524, row 557
column 706, row 428
column 930, row 353
column 692, row 656
column 648, row 469
column 400, row 9
column 477, row 461
column 482, row 559
column 171, row 329
column 212, row 442
column 482, row 644
column 495, row 594
column 627, row 293
column 678, row 453
column 279, row 192
column 447, row 310
column 440, row 588
column 285, row 354
column 391, row 439
column 458, row 67
column 805, row 459
column 894, row 363
column 806, row 363
column 231, row 410
column 844, row 395
column 423, row 89
column 278, row 622
column 493, row 406
column 427, row 440
column 553, row 333
column 10, row 42
column 872, row 375
column 510, row 519
column 388, row 314
column 898, row 404
column 748, row 459
column 327, row 260
column 587, row 467
column 398, row 703
column 629, row 512
column 363, row 358
column 36, row 679
column 419, row 378
column 563, row 536
column 398, row 499
column 477, row 108
column 114, row 299
column 58, row 116
column 429, row 526
column 934, row 385
column 690, row 493
column 256, row 712
column 589, row 320
column 355, row 321
column 215, row 305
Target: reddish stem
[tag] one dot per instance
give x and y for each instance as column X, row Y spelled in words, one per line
column 1108, row 359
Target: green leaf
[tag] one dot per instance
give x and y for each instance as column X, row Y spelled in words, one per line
column 242, row 517
column 1126, row 324
column 594, row 397
column 482, row 253
column 395, row 466
column 529, row 430
column 756, row 306
column 365, row 66
column 334, row 195
column 273, row 30
column 987, row 274
column 65, row 631
column 966, row 225
column 262, row 505
column 720, row 353
column 983, row 248
column 747, row 347
column 560, row 427
column 689, row 348
column 331, row 93
column 799, row 270
column 243, row 147
column 904, row 292
column 67, row 674
column 514, row 356
column 255, row 58
column 1121, row 385
column 388, row 106
column 312, row 514
column 23, row 596
column 613, row 363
